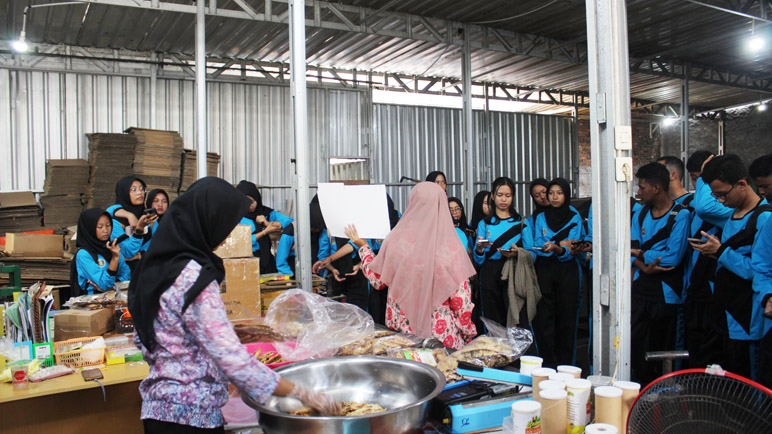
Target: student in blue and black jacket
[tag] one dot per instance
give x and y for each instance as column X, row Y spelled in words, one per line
column 459, row 221
column 98, row 263
column 658, row 246
column 264, row 221
column 157, row 199
column 127, row 213
column 738, row 313
column 559, row 273
column 498, row 237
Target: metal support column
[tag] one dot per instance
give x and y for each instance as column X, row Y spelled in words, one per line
column 200, row 89
column 611, row 139
column 297, row 30
column 466, row 76
column 685, row 121
column 154, row 92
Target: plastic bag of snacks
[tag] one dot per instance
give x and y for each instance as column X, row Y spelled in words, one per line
column 319, row 327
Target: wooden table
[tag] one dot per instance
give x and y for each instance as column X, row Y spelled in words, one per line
column 71, row 405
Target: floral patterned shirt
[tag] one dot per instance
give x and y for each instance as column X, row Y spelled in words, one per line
column 451, row 322
column 197, row 354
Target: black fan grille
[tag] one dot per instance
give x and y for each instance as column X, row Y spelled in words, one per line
column 696, row 402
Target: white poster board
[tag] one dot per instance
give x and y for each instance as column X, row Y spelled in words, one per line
column 364, row 206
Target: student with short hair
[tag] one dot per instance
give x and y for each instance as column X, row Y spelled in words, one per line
column 737, row 316
column 658, row 244
column 709, row 215
column 761, row 174
column 676, row 188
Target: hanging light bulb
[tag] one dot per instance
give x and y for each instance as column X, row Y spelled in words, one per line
column 669, row 120
column 20, row 45
column 756, row 43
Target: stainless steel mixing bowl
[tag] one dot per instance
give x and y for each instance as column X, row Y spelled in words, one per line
column 403, row 387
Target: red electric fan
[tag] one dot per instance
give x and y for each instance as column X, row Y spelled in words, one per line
column 702, row 401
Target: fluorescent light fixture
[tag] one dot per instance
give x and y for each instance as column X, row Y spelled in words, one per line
column 669, row 120
column 756, row 43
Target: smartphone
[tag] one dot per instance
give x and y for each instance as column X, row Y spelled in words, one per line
column 697, row 240
column 150, row 211
column 121, row 239
column 541, row 249
column 92, row 374
column 507, row 250
column 577, row 242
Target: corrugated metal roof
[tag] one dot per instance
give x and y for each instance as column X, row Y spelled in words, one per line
column 677, row 29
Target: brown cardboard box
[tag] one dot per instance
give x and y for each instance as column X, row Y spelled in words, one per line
column 78, row 323
column 34, row 245
column 17, row 198
column 238, row 244
column 241, row 288
column 266, row 297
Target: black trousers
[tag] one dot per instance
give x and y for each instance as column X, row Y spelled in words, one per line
column 376, row 304
column 702, row 341
column 765, row 361
column 740, row 357
column 355, row 288
column 652, row 328
column 153, row 426
column 557, row 314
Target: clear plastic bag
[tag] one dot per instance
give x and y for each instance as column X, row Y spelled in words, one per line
column 320, row 327
column 499, row 348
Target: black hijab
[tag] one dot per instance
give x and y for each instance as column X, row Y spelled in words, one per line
column 315, row 211
column 477, row 210
column 250, row 189
column 462, row 223
column 123, row 198
column 557, row 218
column 538, row 209
column 196, row 224
column 393, row 214
column 87, row 239
column 432, row 176
column 151, row 197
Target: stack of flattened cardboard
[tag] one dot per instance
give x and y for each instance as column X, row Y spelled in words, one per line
column 158, row 158
column 64, row 192
column 111, row 157
column 19, row 212
column 54, row 271
column 190, row 170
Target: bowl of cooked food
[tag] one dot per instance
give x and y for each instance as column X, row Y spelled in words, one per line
column 378, row 396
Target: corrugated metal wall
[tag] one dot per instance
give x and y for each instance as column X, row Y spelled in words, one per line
column 47, row 114
column 413, row 141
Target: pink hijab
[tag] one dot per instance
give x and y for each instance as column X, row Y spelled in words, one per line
column 421, row 260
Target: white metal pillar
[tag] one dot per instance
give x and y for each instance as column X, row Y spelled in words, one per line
column 685, row 120
column 297, row 30
column 610, row 135
column 200, row 89
column 154, row 92
column 466, row 76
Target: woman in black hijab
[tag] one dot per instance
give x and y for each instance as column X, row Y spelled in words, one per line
column 264, row 221
column 438, row 178
column 465, row 234
column 98, row 263
column 157, row 200
column 182, row 324
column 480, row 208
column 541, row 200
column 560, row 277
column 129, row 219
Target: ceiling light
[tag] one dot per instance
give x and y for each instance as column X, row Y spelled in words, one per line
column 756, row 43
column 20, row 46
column 669, row 120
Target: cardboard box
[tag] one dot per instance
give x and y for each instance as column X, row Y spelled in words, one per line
column 34, row 245
column 79, row 323
column 241, row 288
column 17, row 198
column 238, row 244
column 266, row 297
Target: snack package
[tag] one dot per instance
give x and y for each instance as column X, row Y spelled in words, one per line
column 428, row 356
column 397, row 340
column 318, row 326
column 499, row 348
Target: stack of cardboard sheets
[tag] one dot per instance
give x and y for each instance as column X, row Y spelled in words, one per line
column 190, row 170
column 111, row 157
column 19, row 212
column 64, row 192
column 158, row 159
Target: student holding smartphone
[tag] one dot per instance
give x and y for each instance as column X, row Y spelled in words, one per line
column 560, row 276
column 156, row 204
column 98, row 263
column 499, row 236
column 264, row 222
column 129, row 219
